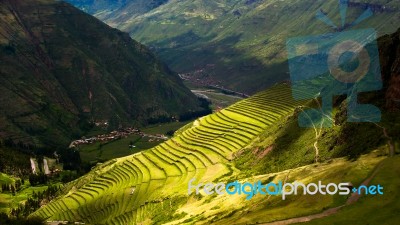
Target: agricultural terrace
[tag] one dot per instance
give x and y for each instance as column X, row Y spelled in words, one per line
column 123, row 190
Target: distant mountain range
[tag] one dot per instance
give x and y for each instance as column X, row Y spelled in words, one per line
column 239, row 44
column 93, row 6
column 119, row 10
column 61, row 69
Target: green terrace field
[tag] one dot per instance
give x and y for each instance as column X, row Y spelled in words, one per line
column 130, row 189
column 254, row 139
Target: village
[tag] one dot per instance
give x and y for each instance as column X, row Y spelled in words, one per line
column 47, row 165
column 115, row 135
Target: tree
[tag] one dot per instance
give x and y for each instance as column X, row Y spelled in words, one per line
column 18, row 185
column 170, row 133
column 13, row 190
column 38, row 179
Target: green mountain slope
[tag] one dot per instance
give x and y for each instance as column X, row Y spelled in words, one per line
column 61, row 69
column 151, row 187
column 119, row 190
column 240, row 43
column 255, row 139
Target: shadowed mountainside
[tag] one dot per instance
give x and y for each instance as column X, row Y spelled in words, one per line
column 61, row 69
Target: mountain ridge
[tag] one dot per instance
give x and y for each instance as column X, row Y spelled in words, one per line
column 62, row 69
column 236, row 44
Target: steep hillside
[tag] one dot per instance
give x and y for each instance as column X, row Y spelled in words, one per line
column 151, row 187
column 118, row 191
column 240, row 44
column 61, row 69
column 390, row 60
column 255, row 139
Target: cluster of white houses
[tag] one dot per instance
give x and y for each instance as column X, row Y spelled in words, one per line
column 117, row 134
column 113, row 135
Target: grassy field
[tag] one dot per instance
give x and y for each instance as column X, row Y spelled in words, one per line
column 218, row 100
column 115, row 149
column 8, row 201
column 373, row 209
column 264, row 209
column 119, row 148
column 164, row 128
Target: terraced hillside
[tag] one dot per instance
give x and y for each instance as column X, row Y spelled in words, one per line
column 152, row 184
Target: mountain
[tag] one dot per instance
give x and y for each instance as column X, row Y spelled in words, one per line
column 115, row 11
column 239, row 44
column 62, row 69
column 256, row 139
column 390, row 60
column 96, row 6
